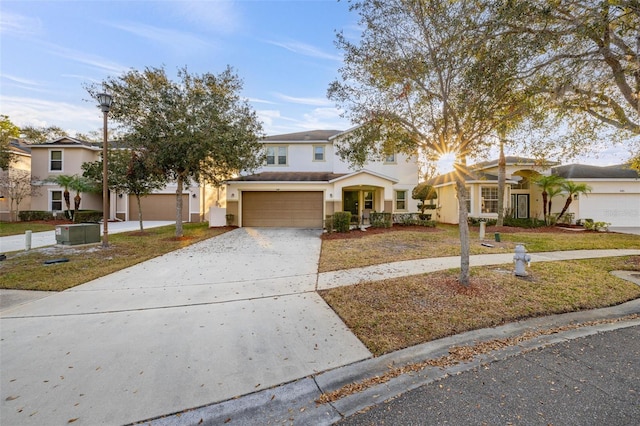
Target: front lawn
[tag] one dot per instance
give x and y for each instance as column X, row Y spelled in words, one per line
column 26, row 271
column 372, row 247
column 396, row 313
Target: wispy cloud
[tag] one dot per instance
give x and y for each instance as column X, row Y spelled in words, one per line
column 217, row 16
column 19, row 25
column 177, row 40
column 20, row 80
column 304, row 101
column 41, row 112
column 260, row 101
column 306, row 50
column 93, row 61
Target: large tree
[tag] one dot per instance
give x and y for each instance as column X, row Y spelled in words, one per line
column 42, row 134
column 423, row 78
column 196, row 129
column 587, row 66
column 8, row 130
column 129, row 172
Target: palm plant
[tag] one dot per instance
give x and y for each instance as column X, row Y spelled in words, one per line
column 552, row 192
column 79, row 184
column 572, row 189
column 547, row 182
column 65, row 181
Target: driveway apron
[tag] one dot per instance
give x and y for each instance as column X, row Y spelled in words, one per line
column 225, row 317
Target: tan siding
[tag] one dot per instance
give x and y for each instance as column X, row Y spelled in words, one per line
column 286, row 209
column 232, row 208
column 158, row 207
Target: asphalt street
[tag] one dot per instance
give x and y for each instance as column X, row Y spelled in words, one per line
column 594, row 380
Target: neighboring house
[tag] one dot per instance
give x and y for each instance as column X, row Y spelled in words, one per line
column 22, row 155
column 304, row 180
column 615, row 197
column 66, row 155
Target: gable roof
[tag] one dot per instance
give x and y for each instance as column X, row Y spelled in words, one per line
column 18, row 147
column 581, row 171
column 310, row 136
column 365, row 171
column 67, row 141
column 470, row 176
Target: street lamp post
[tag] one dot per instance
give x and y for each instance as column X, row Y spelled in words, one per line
column 105, row 100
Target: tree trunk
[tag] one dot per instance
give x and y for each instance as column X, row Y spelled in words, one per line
column 463, row 226
column 138, row 199
column 544, row 207
column 67, row 201
column 566, row 206
column 180, row 184
column 502, row 171
column 76, row 202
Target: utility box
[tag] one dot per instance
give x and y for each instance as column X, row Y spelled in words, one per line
column 82, row 233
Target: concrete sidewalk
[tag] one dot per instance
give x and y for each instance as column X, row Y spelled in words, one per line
column 48, row 238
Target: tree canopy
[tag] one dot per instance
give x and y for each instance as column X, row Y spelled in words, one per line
column 196, row 129
column 8, row 130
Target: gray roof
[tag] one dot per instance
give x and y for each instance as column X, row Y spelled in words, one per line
column 468, row 177
column 581, row 171
column 514, row 160
column 312, row 135
column 289, row 177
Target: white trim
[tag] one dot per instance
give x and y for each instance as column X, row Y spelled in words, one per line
column 49, row 160
column 381, row 176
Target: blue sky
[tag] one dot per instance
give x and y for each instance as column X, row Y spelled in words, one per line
column 283, row 50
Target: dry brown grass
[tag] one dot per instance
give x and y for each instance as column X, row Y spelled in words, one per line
column 394, row 314
column 358, row 249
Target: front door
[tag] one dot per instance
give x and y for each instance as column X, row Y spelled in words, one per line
column 351, row 203
column 520, row 205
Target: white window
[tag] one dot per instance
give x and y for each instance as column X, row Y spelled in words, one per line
column 401, row 200
column 318, row 153
column 368, row 200
column 276, row 155
column 391, row 158
column 489, row 200
column 56, row 201
column 55, row 161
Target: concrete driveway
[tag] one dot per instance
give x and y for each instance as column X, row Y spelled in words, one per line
column 225, row 317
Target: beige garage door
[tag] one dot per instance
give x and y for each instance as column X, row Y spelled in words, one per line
column 158, row 207
column 282, row 209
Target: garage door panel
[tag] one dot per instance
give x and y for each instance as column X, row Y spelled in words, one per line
column 282, row 209
column 617, row 209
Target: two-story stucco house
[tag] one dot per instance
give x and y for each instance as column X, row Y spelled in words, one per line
column 304, row 180
column 614, row 198
column 65, row 156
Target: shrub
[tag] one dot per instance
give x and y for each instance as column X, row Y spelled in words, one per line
column 380, row 219
column 28, row 215
column 524, row 223
column 342, row 221
column 328, row 223
column 404, row 219
column 475, row 221
column 87, row 216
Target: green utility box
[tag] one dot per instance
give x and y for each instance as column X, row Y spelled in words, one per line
column 82, row 233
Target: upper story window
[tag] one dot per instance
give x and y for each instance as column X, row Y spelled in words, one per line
column 390, row 159
column 55, row 161
column 318, row 153
column 489, row 199
column 401, row 200
column 276, row 155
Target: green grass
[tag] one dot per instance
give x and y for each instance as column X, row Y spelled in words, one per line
column 18, row 228
column 26, row 271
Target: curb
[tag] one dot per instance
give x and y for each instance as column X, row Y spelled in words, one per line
column 295, row 402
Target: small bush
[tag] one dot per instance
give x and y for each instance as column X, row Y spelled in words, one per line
column 87, row 216
column 404, row 219
column 475, row 221
column 523, row 223
column 342, row 221
column 380, row 219
column 328, row 223
column 29, row 215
